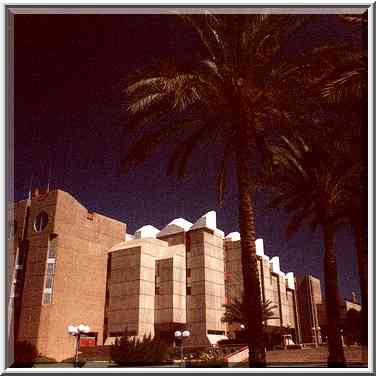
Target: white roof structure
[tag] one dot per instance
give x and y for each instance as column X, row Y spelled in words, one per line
column 259, row 247
column 175, row 226
column 274, row 261
column 290, row 280
column 233, row 236
column 146, row 231
column 208, row 220
column 129, row 237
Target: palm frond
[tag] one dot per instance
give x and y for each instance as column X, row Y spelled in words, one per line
column 143, row 103
column 348, row 85
column 150, row 83
column 222, row 174
column 237, row 311
column 180, row 158
column 141, row 150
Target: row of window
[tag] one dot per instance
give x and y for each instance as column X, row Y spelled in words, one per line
column 18, row 273
column 50, row 272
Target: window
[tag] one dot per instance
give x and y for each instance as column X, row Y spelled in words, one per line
column 50, row 268
column 217, row 332
column 51, row 249
column 275, row 290
column 47, row 298
column 48, row 284
column 188, row 273
column 157, row 279
column 290, row 309
column 189, row 290
column 41, row 221
column 50, row 271
column 19, row 260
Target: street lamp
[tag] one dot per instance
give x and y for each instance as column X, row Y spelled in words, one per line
column 315, row 336
column 319, row 338
column 76, row 331
column 180, row 336
column 342, row 340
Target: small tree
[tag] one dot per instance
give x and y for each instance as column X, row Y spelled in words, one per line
column 236, row 312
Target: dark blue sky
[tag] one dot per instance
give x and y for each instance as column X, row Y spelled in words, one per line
column 70, row 73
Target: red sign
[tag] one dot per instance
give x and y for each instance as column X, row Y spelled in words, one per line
column 87, row 341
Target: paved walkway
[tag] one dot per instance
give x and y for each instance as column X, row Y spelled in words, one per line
column 353, row 354
column 356, row 356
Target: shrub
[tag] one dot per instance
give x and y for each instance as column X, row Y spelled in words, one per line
column 25, row 353
column 134, row 351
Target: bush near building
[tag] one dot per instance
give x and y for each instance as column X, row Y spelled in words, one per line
column 353, row 327
column 25, row 354
column 132, row 351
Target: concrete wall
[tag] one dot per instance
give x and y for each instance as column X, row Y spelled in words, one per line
column 134, row 302
column 79, row 281
column 309, row 300
column 273, row 285
column 205, row 259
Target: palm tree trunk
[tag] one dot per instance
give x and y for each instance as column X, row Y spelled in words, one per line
column 361, row 251
column 336, row 356
column 252, row 291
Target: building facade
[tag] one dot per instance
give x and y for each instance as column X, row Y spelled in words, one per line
column 71, row 266
column 344, row 308
column 59, row 271
column 308, row 290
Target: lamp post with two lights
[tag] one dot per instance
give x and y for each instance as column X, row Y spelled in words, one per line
column 180, row 336
column 76, row 331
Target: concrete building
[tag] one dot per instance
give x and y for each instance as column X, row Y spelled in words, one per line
column 308, row 289
column 73, row 266
column 59, row 271
column 345, row 307
column 312, row 310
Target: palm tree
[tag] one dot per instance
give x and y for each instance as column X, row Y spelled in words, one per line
column 311, row 182
column 354, row 210
column 236, row 312
column 233, row 95
column 348, row 79
column 347, row 85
